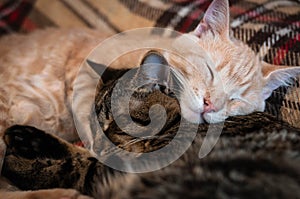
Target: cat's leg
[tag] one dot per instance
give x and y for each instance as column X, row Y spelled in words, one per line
column 42, row 194
column 3, row 123
column 81, row 99
column 8, row 191
column 4, row 107
column 31, row 143
column 36, row 160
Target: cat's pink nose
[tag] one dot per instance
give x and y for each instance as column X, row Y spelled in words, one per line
column 208, row 106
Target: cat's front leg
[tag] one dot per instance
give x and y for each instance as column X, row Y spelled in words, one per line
column 43, row 194
column 36, row 160
column 32, row 143
column 4, row 109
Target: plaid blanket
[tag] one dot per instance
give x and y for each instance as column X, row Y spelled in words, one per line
column 269, row 27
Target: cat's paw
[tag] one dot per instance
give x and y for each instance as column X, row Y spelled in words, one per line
column 42, row 194
column 30, row 142
column 58, row 194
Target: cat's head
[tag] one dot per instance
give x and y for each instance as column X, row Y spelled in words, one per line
column 215, row 75
column 225, row 77
column 136, row 101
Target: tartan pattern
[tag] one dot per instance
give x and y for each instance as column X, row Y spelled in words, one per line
column 13, row 14
column 271, row 28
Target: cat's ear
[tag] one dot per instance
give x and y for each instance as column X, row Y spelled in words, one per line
column 276, row 76
column 159, row 69
column 154, row 70
column 215, row 19
column 106, row 73
column 98, row 68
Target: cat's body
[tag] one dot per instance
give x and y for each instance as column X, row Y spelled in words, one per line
column 255, row 157
column 37, row 77
column 226, row 78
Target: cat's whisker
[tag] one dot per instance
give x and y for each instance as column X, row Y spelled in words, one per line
column 183, row 86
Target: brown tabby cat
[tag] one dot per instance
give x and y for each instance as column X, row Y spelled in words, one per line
column 38, row 73
column 255, row 157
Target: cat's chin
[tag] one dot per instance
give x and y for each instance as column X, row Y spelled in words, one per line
column 191, row 115
column 198, row 117
column 214, row 117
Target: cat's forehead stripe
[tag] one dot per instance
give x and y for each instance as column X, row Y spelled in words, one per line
column 246, row 90
column 246, row 82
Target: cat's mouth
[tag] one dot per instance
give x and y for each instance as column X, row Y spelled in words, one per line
column 199, row 111
column 196, row 116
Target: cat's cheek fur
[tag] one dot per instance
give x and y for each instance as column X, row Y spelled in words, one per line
column 239, row 108
column 216, row 117
column 191, row 106
column 190, row 115
column 242, row 108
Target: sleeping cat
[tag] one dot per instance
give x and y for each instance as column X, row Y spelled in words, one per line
column 257, row 156
column 226, row 79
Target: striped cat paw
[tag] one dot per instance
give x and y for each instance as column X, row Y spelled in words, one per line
column 30, row 142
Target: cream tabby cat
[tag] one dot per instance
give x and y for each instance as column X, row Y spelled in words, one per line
column 38, row 73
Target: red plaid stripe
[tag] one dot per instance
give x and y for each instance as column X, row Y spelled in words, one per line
column 282, row 52
column 193, row 18
column 13, row 14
